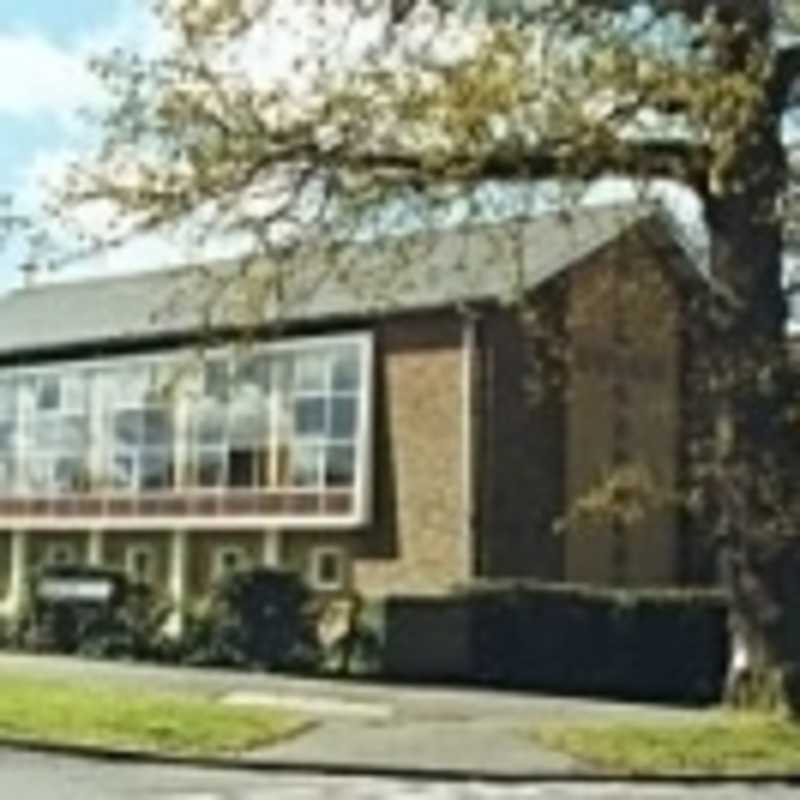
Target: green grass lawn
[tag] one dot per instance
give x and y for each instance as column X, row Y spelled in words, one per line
column 56, row 711
column 718, row 743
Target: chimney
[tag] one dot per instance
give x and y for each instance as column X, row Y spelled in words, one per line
column 30, row 271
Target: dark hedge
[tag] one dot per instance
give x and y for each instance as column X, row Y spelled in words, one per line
column 666, row 645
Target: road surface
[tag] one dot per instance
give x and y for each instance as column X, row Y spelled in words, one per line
column 25, row 776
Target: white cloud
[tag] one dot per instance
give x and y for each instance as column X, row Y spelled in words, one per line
column 41, row 78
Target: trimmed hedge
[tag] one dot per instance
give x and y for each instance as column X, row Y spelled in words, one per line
column 668, row 645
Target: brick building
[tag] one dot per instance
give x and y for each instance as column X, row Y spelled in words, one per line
column 422, row 415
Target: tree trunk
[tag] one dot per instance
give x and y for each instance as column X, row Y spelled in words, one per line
column 753, row 449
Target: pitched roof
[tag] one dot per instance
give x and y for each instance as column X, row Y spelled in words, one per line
column 352, row 280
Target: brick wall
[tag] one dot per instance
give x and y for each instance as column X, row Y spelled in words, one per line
column 520, row 464
column 623, row 407
column 417, row 544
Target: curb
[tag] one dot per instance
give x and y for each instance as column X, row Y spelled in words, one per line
column 348, row 769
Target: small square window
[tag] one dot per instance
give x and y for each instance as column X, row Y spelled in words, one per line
column 48, row 393
column 327, row 568
column 61, row 554
column 228, row 560
column 140, row 563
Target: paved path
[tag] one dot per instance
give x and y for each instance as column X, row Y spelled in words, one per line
column 371, row 725
column 36, row 777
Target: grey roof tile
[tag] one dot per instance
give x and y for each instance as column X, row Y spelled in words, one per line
column 401, row 273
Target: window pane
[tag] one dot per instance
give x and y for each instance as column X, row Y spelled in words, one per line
column 6, row 473
column 48, row 393
column 346, row 369
column 8, row 399
column 8, row 436
column 340, row 465
column 123, row 472
column 130, row 382
column 309, row 372
column 343, row 417
column 210, row 468
column 72, row 434
column 329, row 569
column 264, row 472
column 246, row 432
column 74, row 390
column 309, row 416
column 255, row 371
column 157, row 427
column 47, row 433
column 242, row 468
column 209, row 424
column 305, row 467
column 217, row 380
column 38, row 470
column 128, row 427
column 156, row 471
column 69, row 475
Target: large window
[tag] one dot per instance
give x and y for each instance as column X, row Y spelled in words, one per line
column 284, row 424
column 140, row 431
column 56, row 432
column 286, row 418
column 324, row 397
column 230, row 425
column 9, row 434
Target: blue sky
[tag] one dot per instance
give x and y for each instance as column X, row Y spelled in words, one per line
column 44, row 45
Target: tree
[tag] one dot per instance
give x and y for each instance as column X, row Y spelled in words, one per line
column 414, row 105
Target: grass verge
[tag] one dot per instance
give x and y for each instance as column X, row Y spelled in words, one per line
column 66, row 712
column 721, row 743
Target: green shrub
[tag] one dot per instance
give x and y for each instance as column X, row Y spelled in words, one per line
column 128, row 624
column 257, row 619
column 350, row 630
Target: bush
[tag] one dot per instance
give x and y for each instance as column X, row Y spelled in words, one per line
column 350, row 633
column 127, row 624
column 258, row 619
column 644, row 645
column 135, row 629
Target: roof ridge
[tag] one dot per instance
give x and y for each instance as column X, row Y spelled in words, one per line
column 638, row 211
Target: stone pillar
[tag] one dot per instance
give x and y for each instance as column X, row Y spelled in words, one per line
column 19, row 572
column 178, row 569
column 95, row 547
column 272, row 548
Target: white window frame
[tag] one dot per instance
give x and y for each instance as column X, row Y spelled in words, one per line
column 316, row 558
column 100, row 445
column 218, row 568
column 132, row 551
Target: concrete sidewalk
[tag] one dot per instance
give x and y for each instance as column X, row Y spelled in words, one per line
column 371, row 725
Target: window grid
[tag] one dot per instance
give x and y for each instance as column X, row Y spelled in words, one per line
column 80, row 457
